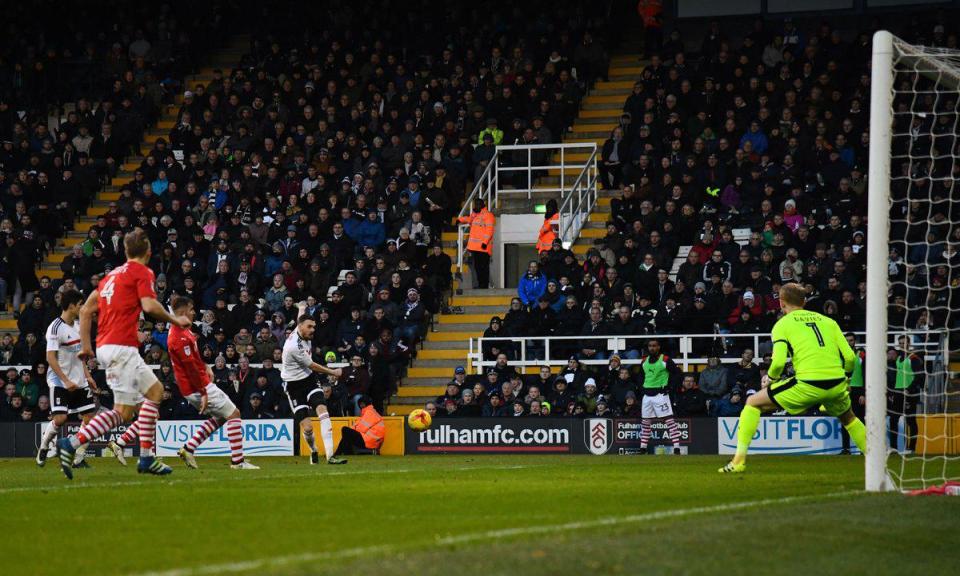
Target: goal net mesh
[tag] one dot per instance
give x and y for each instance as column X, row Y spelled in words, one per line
column 923, row 395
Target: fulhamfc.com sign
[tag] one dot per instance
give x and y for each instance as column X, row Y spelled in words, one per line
column 478, row 435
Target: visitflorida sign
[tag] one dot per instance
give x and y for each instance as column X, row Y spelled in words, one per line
column 260, row 438
column 785, row 435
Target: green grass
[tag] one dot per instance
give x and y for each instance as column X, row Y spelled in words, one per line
column 471, row 515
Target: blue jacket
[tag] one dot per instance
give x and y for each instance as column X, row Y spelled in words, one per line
column 351, row 227
column 757, row 139
column 414, row 197
column 370, row 234
column 273, row 265
column 531, row 288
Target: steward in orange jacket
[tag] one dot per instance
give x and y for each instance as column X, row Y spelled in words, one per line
column 548, row 231
column 367, row 434
column 480, row 243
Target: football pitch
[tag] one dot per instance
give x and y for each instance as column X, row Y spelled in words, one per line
column 471, row 515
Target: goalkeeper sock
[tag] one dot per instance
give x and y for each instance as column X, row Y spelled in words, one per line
column 749, row 420
column 858, row 433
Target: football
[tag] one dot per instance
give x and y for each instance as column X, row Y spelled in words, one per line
column 419, row 419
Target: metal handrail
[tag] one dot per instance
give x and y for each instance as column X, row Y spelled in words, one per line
column 932, row 342
column 578, row 200
column 577, row 206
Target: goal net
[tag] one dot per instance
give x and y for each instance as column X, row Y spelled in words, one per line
column 913, row 267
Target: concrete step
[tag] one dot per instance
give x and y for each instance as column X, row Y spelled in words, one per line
column 614, row 85
column 426, row 393
column 430, row 372
column 454, row 319
column 462, row 345
column 471, row 300
column 599, row 114
column 464, row 326
column 447, row 355
column 451, row 336
column 401, row 409
column 616, row 104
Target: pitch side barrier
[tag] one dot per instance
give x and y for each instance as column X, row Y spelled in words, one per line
column 799, row 435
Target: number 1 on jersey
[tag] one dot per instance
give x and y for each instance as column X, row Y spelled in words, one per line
column 816, row 331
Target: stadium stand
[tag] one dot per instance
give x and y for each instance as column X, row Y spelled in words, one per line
column 326, row 162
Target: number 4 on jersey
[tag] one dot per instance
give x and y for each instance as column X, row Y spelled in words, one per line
column 107, row 291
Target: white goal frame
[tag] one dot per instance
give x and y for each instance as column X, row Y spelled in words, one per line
column 878, row 217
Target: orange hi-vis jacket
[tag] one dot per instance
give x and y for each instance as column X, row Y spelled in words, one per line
column 482, row 225
column 547, row 233
column 370, row 426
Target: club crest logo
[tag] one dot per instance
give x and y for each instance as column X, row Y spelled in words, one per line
column 597, row 435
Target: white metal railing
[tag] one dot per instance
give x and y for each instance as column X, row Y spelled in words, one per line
column 536, row 351
column 576, row 200
column 580, row 202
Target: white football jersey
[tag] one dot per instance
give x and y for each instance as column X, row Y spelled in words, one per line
column 297, row 358
column 64, row 339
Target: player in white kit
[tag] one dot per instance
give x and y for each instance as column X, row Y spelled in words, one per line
column 71, row 386
column 299, row 375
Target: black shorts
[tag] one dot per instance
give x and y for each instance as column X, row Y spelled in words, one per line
column 304, row 394
column 79, row 401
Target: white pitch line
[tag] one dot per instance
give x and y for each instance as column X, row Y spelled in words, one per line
column 271, row 562
column 182, row 479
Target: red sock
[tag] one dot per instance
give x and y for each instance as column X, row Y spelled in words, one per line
column 235, row 435
column 147, row 422
column 644, row 432
column 674, row 432
column 208, row 427
column 98, row 426
column 130, row 434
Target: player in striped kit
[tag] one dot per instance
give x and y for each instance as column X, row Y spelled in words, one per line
column 656, row 369
column 70, row 382
column 195, row 380
column 118, row 300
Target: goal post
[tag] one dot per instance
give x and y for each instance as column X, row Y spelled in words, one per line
column 878, row 217
column 913, row 184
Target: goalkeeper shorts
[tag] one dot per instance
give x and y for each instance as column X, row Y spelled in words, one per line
column 797, row 396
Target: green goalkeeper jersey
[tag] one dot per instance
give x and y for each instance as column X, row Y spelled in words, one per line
column 816, row 345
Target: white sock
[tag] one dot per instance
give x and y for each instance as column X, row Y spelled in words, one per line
column 48, row 435
column 326, row 433
column 308, row 436
column 81, row 454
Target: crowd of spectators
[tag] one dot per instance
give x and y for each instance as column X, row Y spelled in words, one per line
column 581, row 391
column 767, row 134
column 338, row 141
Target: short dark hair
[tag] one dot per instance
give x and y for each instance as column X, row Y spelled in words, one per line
column 179, row 302
column 303, row 318
column 69, row 297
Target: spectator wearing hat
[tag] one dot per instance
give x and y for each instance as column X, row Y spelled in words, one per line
column 493, row 348
column 495, row 408
column 413, row 318
column 561, row 393
column 588, row 398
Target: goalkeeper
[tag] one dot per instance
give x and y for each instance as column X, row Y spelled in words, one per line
column 823, row 362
